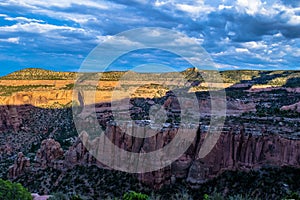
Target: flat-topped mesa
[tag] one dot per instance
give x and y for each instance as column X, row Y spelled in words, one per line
column 49, row 89
column 39, row 74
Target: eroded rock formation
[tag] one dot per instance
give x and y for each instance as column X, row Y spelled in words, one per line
column 19, row 167
column 49, row 152
column 245, row 152
column 232, row 152
column 293, row 107
column 78, row 154
column 10, row 118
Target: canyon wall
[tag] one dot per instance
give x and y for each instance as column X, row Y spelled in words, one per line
column 233, row 151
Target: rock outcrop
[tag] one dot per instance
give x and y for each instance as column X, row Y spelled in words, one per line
column 245, row 152
column 50, row 155
column 19, row 167
column 49, row 152
column 41, row 98
column 231, row 152
column 40, row 197
column 78, row 154
column 293, row 107
column 10, row 118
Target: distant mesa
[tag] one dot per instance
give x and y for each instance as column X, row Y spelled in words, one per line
column 46, row 88
column 39, row 74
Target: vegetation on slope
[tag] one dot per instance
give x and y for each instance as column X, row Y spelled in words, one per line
column 39, row 74
column 91, row 182
column 13, row 191
column 237, row 76
column 6, row 90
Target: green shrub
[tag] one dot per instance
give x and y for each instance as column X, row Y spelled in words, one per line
column 242, row 197
column 205, row 197
column 293, row 195
column 62, row 196
column 182, row 195
column 59, row 196
column 216, row 196
column 13, row 191
column 76, row 197
column 135, row 196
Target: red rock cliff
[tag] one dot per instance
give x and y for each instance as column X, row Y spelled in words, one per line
column 232, row 151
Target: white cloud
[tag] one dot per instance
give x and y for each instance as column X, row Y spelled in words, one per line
column 34, row 27
column 222, row 7
column 101, row 38
column 289, row 14
column 268, row 58
column 294, row 20
column 186, row 41
column 192, row 9
column 278, row 35
column 242, row 50
column 250, row 7
column 253, row 7
column 22, row 19
column 160, row 3
column 225, row 66
column 296, row 52
column 115, row 41
column 15, row 40
column 255, row 45
column 75, row 17
column 58, row 3
column 195, row 9
column 47, row 8
column 222, row 53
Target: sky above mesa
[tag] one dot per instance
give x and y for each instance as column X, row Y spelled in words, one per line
column 59, row 34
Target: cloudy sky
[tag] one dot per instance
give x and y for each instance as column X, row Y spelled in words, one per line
column 59, row 34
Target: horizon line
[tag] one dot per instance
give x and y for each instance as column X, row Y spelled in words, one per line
column 143, row 72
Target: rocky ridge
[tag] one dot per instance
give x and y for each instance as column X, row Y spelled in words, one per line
column 232, row 152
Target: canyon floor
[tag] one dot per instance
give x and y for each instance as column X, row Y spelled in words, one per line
column 257, row 154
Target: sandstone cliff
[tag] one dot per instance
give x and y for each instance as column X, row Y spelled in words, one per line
column 48, row 155
column 49, row 152
column 43, row 98
column 20, row 166
column 10, row 118
column 232, row 152
column 245, row 152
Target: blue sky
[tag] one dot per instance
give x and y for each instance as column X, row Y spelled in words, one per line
column 58, row 35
